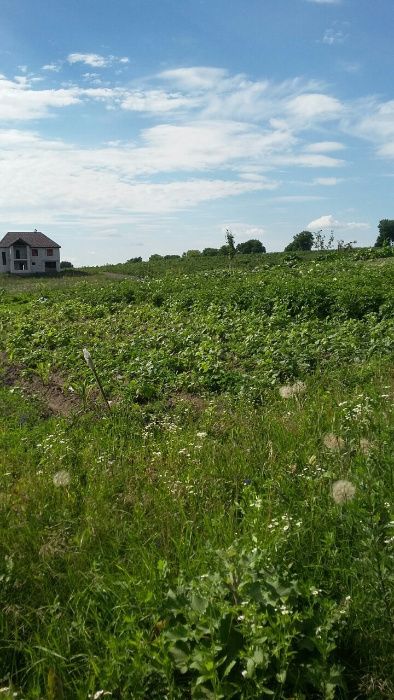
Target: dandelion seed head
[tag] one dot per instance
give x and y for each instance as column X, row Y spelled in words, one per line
column 365, row 446
column 61, row 478
column 287, row 391
column 88, row 358
column 333, row 442
column 343, row 491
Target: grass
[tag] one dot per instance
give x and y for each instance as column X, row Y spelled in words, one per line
column 195, row 548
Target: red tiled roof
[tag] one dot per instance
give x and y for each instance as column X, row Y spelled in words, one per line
column 35, row 239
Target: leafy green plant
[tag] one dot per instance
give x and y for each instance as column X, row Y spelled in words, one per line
column 247, row 630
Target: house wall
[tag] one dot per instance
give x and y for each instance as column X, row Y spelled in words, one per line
column 4, row 267
column 35, row 264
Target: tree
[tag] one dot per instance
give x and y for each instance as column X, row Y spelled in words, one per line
column 191, row 254
column 251, row 246
column 210, row 251
column 135, row 260
column 223, row 250
column 386, row 233
column 301, row 241
column 155, row 257
column 319, row 240
column 230, row 244
column 65, row 265
column 341, row 245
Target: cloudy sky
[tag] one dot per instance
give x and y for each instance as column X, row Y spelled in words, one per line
column 134, row 127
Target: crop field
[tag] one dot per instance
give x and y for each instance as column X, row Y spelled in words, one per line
column 223, row 526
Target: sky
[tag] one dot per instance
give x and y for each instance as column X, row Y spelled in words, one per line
column 135, row 127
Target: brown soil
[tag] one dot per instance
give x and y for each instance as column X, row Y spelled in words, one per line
column 53, row 393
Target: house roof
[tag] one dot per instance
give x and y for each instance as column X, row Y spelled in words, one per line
column 35, row 239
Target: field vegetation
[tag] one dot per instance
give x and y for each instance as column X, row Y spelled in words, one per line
column 225, row 527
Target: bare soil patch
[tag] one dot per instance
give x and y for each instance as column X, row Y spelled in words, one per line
column 53, row 393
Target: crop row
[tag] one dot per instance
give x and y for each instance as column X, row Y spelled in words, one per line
column 211, row 332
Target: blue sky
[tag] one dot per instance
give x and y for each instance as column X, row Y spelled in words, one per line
column 135, row 127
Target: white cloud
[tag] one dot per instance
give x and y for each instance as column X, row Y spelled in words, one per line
column 327, row 181
column 376, row 124
column 79, row 180
column 54, row 67
column 195, row 78
column 89, row 59
column 157, row 101
column 19, row 102
column 208, row 144
column 95, row 60
column 315, row 106
column 328, row 221
column 308, row 160
column 334, row 36
column 324, row 147
column 300, row 198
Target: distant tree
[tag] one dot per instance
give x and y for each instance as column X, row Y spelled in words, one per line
column 223, row 250
column 229, row 249
column 320, row 242
column 66, row 265
column 211, row 251
column 172, row 257
column 341, row 245
column 230, row 244
column 191, row 254
column 251, row 246
column 155, row 257
column 135, row 260
column 301, row 241
column 386, row 233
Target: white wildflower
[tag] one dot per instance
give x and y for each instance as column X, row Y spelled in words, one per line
column 62, row 478
column 202, row 434
column 343, row 491
column 315, row 591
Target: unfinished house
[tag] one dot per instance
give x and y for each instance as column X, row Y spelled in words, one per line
column 25, row 252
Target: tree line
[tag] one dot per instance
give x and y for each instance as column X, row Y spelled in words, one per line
column 303, row 241
column 306, row 240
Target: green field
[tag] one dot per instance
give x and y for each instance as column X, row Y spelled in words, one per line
column 225, row 528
